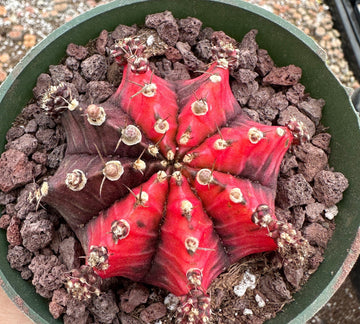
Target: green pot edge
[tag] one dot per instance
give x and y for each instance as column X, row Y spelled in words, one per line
column 337, row 277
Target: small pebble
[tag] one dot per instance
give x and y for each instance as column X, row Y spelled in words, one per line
column 29, row 40
column 331, row 212
column 247, row 311
column 248, row 281
column 260, row 301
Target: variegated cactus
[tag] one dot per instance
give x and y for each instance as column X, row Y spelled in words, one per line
column 168, row 183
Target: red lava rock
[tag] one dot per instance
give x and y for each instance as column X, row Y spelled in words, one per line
column 72, row 63
column 244, row 91
column 10, row 210
column 122, row 31
column 173, row 54
column 47, row 137
column 283, row 215
column 56, row 310
column 27, row 144
column 153, row 312
column 94, row 67
column 295, row 94
column 104, row 307
column 16, row 170
column 314, row 160
column 329, row 187
column 42, row 84
column 5, row 221
column 288, row 163
column 168, row 32
column 36, row 231
column 316, row 234
column 189, row 29
column 26, row 201
column 133, row 297
column 18, row 257
column 31, row 126
column 292, row 112
column 265, row 63
column 203, row 49
column 76, row 310
column 274, row 288
column 77, row 51
column 7, row 198
column 99, row 91
column 126, row 319
column 61, row 297
column 322, row 141
column 70, row 251
column 298, row 217
column 293, row 273
column 312, row 108
column 285, row 76
column 252, row 114
column 315, row 259
column 60, row 73
column 190, row 60
column 278, row 101
column 114, row 74
column 248, row 51
column 13, row 232
column 314, row 212
column 44, row 121
column 14, row 132
column 261, row 97
column 293, row 191
column 39, row 157
column 245, row 75
column 48, row 274
column 79, row 82
column 26, row 274
column 166, row 26
column 220, row 37
column 101, row 42
column 55, row 156
column 179, row 72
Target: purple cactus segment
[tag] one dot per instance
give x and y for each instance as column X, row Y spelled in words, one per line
column 95, row 183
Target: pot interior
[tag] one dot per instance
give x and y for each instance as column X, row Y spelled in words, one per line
column 286, row 45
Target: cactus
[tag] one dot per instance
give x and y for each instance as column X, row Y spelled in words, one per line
column 168, row 182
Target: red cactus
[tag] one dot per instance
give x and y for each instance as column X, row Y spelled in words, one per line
column 168, row 182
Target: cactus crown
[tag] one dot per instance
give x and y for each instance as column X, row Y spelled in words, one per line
column 196, row 167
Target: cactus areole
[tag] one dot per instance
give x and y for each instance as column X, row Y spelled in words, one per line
column 168, row 183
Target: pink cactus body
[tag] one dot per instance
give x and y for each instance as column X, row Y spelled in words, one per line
column 162, row 181
column 143, row 97
column 131, row 226
column 206, row 103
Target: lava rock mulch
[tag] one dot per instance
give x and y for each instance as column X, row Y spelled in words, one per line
column 43, row 248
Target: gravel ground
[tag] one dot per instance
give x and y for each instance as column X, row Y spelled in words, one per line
column 23, row 23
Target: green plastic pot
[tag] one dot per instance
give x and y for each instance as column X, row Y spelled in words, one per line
column 286, row 45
